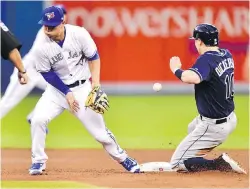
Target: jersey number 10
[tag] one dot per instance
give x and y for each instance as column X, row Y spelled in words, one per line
column 229, row 81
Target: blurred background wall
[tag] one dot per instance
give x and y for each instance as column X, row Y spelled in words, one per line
column 137, row 39
column 21, row 18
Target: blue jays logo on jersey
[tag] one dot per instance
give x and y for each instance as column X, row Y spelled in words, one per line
column 74, row 54
column 56, row 58
column 50, row 15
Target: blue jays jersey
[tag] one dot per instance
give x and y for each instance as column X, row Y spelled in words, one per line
column 214, row 94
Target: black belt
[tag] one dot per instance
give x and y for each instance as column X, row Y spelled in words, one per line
column 219, row 121
column 77, row 83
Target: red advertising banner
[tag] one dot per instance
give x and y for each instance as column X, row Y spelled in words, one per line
column 137, row 39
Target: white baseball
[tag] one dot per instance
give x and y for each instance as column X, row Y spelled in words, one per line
column 157, row 87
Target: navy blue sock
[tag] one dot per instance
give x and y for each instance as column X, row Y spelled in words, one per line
column 199, row 164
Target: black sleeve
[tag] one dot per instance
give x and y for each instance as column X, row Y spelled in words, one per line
column 8, row 43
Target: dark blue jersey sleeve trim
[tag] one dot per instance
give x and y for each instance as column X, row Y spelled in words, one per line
column 55, row 81
column 197, row 72
column 94, row 57
column 202, row 67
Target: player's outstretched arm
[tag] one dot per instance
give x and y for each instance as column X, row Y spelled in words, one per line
column 97, row 99
column 95, row 66
column 91, row 53
column 186, row 76
column 189, row 76
column 53, row 79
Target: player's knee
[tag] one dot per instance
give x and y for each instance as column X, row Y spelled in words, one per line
column 177, row 162
column 39, row 121
column 173, row 162
column 178, row 165
column 103, row 139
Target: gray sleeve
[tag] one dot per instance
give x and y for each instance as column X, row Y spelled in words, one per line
column 42, row 61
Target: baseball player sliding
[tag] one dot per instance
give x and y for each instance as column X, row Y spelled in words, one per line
column 16, row 92
column 66, row 58
column 213, row 77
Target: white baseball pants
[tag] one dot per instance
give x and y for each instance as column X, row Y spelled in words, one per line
column 53, row 103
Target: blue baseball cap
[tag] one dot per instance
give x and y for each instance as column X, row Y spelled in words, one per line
column 62, row 7
column 52, row 16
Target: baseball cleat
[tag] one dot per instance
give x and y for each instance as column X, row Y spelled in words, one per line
column 233, row 164
column 131, row 165
column 37, row 168
column 228, row 164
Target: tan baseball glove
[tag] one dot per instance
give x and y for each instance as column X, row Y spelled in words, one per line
column 97, row 100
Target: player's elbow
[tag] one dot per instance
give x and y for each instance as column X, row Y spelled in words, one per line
column 190, row 78
column 94, row 58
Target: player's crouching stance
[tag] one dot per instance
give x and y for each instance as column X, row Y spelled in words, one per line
column 67, row 57
column 213, row 76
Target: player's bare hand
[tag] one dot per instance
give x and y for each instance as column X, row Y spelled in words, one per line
column 175, row 63
column 93, row 84
column 73, row 104
column 23, row 78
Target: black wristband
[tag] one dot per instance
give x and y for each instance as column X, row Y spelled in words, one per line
column 178, row 73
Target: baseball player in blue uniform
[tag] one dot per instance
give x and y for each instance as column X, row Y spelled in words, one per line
column 213, row 77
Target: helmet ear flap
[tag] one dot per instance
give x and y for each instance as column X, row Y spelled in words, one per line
column 196, row 36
